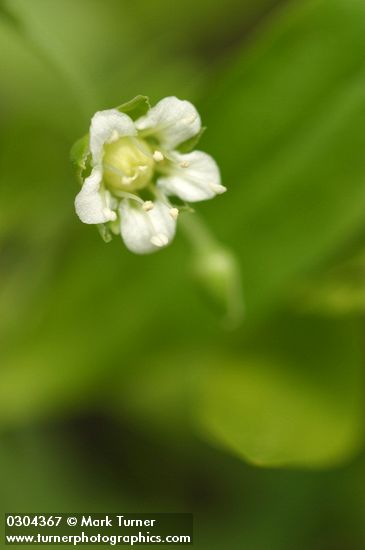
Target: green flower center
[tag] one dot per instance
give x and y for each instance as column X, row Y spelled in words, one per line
column 128, row 164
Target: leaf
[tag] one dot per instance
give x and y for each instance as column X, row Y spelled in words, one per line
column 337, row 291
column 9, row 16
column 294, row 399
column 136, row 107
column 286, row 125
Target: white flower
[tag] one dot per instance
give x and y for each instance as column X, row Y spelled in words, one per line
column 135, row 167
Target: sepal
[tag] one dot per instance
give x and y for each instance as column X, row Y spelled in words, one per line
column 191, row 143
column 79, row 155
column 105, row 232
column 136, row 107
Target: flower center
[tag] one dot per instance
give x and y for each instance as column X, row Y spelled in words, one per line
column 128, row 164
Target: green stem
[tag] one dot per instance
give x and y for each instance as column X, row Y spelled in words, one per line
column 197, row 232
column 216, row 267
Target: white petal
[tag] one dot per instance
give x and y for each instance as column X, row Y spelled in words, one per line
column 90, row 204
column 144, row 232
column 107, row 126
column 193, row 177
column 172, row 121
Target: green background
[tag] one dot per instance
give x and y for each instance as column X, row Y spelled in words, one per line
column 121, row 387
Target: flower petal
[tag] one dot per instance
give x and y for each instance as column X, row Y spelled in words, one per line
column 193, row 177
column 107, row 126
column 146, row 231
column 90, row 204
column 172, row 121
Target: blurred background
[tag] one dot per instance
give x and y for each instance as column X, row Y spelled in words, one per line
column 121, row 388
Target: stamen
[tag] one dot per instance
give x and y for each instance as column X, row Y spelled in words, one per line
column 147, row 206
column 159, row 240
column 217, row 188
column 131, row 196
column 174, row 212
column 158, row 156
column 184, row 164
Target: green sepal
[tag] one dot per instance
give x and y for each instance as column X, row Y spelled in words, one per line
column 105, row 232
column 108, row 230
column 79, row 155
column 136, row 107
column 191, row 143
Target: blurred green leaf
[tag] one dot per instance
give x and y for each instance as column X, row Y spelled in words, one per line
column 8, row 15
column 293, row 398
column 286, row 125
column 336, row 291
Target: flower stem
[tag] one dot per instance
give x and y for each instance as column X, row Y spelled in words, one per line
column 216, row 267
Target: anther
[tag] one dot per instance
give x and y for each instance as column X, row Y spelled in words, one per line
column 184, row 164
column 147, row 206
column 174, row 212
column 158, row 156
column 159, row 240
column 217, row 188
